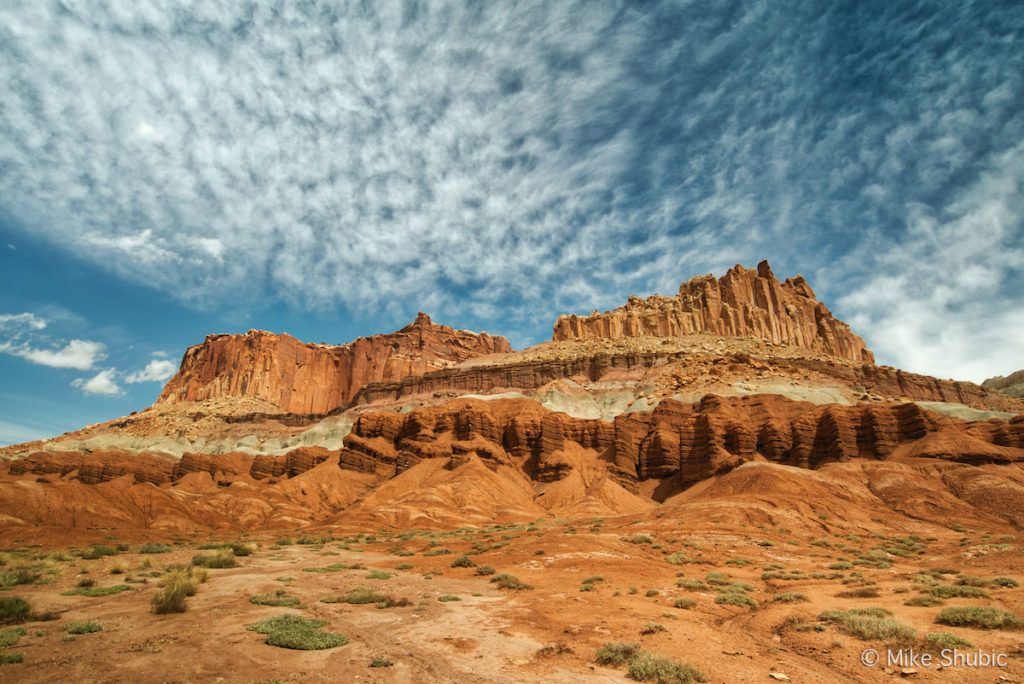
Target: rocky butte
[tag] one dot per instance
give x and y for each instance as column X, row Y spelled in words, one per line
column 298, row 377
column 742, row 303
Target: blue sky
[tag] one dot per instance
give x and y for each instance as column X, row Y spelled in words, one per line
column 167, row 172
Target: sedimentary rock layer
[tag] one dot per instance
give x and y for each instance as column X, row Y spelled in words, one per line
column 742, row 303
column 313, row 378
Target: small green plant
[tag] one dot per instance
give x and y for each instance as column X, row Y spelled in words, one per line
column 295, row 632
column 652, row 628
column 506, row 581
column 650, row 593
column 869, row 624
column 735, row 598
column 378, row 575
column 215, row 561
column 684, row 603
column 83, row 627
column 97, row 591
column 11, row 658
column 463, row 562
column 616, row 654
column 380, row 661
column 96, row 552
column 176, row 586
column 945, row 591
column 980, row 618
column 924, row 601
column 641, row 539
column 483, row 570
column 943, row 640
column 9, row 636
column 362, row 596
column 790, row 597
column 645, row 667
column 13, row 609
column 691, row 584
column 154, row 548
column 278, row 598
column 447, row 598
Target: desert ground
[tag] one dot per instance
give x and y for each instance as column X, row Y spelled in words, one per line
column 516, row 602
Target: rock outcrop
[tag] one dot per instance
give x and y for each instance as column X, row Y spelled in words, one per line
column 742, row 303
column 314, row 378
column 1011, row 385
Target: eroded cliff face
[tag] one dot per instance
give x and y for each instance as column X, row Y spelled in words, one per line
column 312, row 378
column 742, row 303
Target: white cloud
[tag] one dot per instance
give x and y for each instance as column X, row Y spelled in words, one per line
column 155, row 371
column 502, row 163
column 19, row 336
column 103, row 383
column 11, row 323
column 77, row 354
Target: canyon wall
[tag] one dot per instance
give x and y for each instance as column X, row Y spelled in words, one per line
column 313, row 378
column 742, row 303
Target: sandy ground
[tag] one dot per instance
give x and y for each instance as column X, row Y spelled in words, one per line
column 499, row 635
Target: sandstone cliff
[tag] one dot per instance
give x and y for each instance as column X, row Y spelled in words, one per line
column 742, row 303
column 313, row 378
column 1010, row 385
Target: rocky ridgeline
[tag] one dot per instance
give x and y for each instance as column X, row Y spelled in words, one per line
column 742, row 303
column 310, row 378
column 683, row 441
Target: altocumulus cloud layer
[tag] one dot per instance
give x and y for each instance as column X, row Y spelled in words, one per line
column 498, row 163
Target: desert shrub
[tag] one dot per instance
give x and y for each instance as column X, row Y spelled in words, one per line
column 783, row 575
column 1005, row 582
column 680, row 558
column 13, row 609
column 869, row 625
column 11, row 658
column 295, row 632
column 645, row 667
column 463, row 562
column 362, row 596
column 154, row 548
column 438, row 552
column 83, row 627
column 378, row 575
column 216, row 561
column 407, row 566
column 717, row 578
column 924, row 601
column 863, row 592
column 447, row 598
column 652, row 628
column 506, row 581
column 483, row 570
column 790, row 597
column 176, row 586
column 552, row 650
column 333, row 567
column 380, row 661
column 945, row 591
column 616, row 654
column 97, row 551
column 97, row 591
column 691, row 584
column 735, row 598
column 650, row 593
column 390, row 602
column 640, row 539
column 277, row 598
column 9, row 636
column 841, row 565
column 86, row 582
column 684, row 603
column 981, row 618
column 942, row 640
column 285, row 541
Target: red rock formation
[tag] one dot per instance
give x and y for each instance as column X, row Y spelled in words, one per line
column 688, row 441
column 316, row 378
column 742, row 303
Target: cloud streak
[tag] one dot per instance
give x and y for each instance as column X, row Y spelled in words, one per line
column 500, row 164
